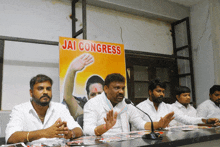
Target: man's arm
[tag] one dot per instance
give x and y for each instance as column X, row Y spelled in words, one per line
column 188, row 120
column 58, row 129
column 110, row 121
column 163, row 122
column 93, row 118
column 136, row 119
column 214, row 121
column 76, row 65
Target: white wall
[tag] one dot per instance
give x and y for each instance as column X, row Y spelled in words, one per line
column 135, row 32
column 47, row 20
column 215, row 15
column 201, row 32
column 22, row 61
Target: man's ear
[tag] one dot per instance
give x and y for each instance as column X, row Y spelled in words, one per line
column 149, row 92
column 105, row 88
column 177, row 97
column 31, row 92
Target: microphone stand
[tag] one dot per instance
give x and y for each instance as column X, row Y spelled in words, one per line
column 152, row 135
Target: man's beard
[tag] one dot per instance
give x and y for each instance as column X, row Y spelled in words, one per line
column 217, row 102
column 157, row 100
column 38, row 102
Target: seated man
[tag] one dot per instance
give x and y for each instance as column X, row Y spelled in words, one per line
column 157, row 109
column 112, row 99
column 182, row 102
column 94, row 85
column 40, row 118
column 210, row 107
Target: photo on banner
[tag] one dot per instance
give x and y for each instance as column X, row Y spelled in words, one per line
column 102, row 58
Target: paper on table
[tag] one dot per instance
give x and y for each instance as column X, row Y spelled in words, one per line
column 49, row 142
column 182, row 128
column 21, row 144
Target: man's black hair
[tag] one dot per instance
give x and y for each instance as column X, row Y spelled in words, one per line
column 156, row 82
column 114, row 77
column 214, row 88
column 182, row 89
column 94, row 79
column 39, row 79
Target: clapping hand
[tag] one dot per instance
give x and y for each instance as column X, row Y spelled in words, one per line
column 164, row 121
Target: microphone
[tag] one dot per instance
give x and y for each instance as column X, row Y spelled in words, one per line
column 152, row 135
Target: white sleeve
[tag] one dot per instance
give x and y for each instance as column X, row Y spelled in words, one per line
column 15, row 124
column 135, row 118
column 185, row 119
column 90, row 118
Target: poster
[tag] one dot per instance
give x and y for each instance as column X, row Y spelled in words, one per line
column 106, row 58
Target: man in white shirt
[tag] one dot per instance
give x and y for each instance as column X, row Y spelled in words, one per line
column 157, row 109
column 40, row 118
column 210, row 107
column 98, row 111
column 183, row 103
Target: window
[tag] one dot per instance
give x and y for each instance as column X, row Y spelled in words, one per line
column 142, row 67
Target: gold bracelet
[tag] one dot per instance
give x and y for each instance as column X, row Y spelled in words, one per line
column 28, row 136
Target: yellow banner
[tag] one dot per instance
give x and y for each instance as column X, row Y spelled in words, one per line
column 105, row 57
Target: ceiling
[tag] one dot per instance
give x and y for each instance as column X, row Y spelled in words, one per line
column 187, row 3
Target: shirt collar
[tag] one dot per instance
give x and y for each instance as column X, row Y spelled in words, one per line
column 150, row 102
column 107, row 101
column 122, row 106
column 178, row 104
column 31, row 108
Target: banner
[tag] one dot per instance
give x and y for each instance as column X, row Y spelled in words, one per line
column 104, row 58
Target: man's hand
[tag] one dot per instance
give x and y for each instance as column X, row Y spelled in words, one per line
column 164, row 121
column 80, row 62
column 110, row 119
column 58, row 129
column 67, row 133
column 214, row 121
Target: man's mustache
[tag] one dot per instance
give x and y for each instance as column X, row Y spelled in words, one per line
column 45, row 95
column 120, row 95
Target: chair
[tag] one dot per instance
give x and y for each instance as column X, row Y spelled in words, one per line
column 79, row 119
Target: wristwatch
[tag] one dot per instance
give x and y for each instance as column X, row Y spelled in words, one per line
column 73, row 134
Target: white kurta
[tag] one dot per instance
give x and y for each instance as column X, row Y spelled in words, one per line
column 208, row 109
column 96, row 108
column 24, row 118
column 163, row 109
